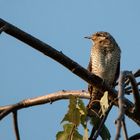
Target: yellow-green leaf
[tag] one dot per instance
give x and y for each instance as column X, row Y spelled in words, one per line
column 63, row 135
column 83, row 113
column 104, row 102
column 69, row 133
column 73, row 114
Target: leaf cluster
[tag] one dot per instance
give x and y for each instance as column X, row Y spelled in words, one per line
column 75, row 116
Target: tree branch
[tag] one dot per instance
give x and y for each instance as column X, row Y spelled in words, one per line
column 68, row 63
column 15, row 122
column 5, row 110
column 124, row 129
column 121, row 104
column 128, row 90
column 102, row 122
column 135, row 137
column 135, row 91
column 137, row 73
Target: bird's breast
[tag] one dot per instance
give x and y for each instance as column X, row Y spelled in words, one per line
column 104, row 63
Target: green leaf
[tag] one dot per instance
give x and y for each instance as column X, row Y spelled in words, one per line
column 63, row 135
column 82, row 107
column 105, row 134
column 95, row 120
column 69, row 133
column 104, row 102
column 73, row 114
column 83, row 113
column 77, row 136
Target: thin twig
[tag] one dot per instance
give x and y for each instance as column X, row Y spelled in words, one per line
column 95, row 127
column 103, row 119
column 121, row 104
column 135, row 91
column 15, row 122
column 124, row 129
column 136, row 74
column 128, row 90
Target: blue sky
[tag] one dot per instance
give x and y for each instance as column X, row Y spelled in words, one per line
column 63, row 24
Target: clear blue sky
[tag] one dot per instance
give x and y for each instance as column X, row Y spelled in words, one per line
column 26, row 73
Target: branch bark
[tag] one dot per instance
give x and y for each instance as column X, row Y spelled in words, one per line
column 15, row 123
column 121, row 104
column 135, row 91
column 5, row 110
column 68, row 63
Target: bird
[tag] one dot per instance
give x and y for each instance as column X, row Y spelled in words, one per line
column 104, row 62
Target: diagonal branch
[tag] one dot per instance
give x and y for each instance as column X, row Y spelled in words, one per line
column 137, row 73
column 68, row 63
column 53, row 53
column 103, row 119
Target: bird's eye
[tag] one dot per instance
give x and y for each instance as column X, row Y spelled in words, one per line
column 98, row 34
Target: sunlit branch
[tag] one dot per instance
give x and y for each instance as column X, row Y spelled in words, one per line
column 50, row 98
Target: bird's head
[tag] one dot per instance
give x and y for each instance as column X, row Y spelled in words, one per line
column 101, row 37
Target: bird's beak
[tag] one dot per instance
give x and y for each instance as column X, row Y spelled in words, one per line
column 88, row 37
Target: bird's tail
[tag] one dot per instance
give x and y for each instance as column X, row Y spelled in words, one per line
column 95, row 96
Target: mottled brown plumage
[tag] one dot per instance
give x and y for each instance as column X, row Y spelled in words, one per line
column 104, row 62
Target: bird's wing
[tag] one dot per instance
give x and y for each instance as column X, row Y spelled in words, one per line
column 89, row 69
column 117, row 73
column 89, row 66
